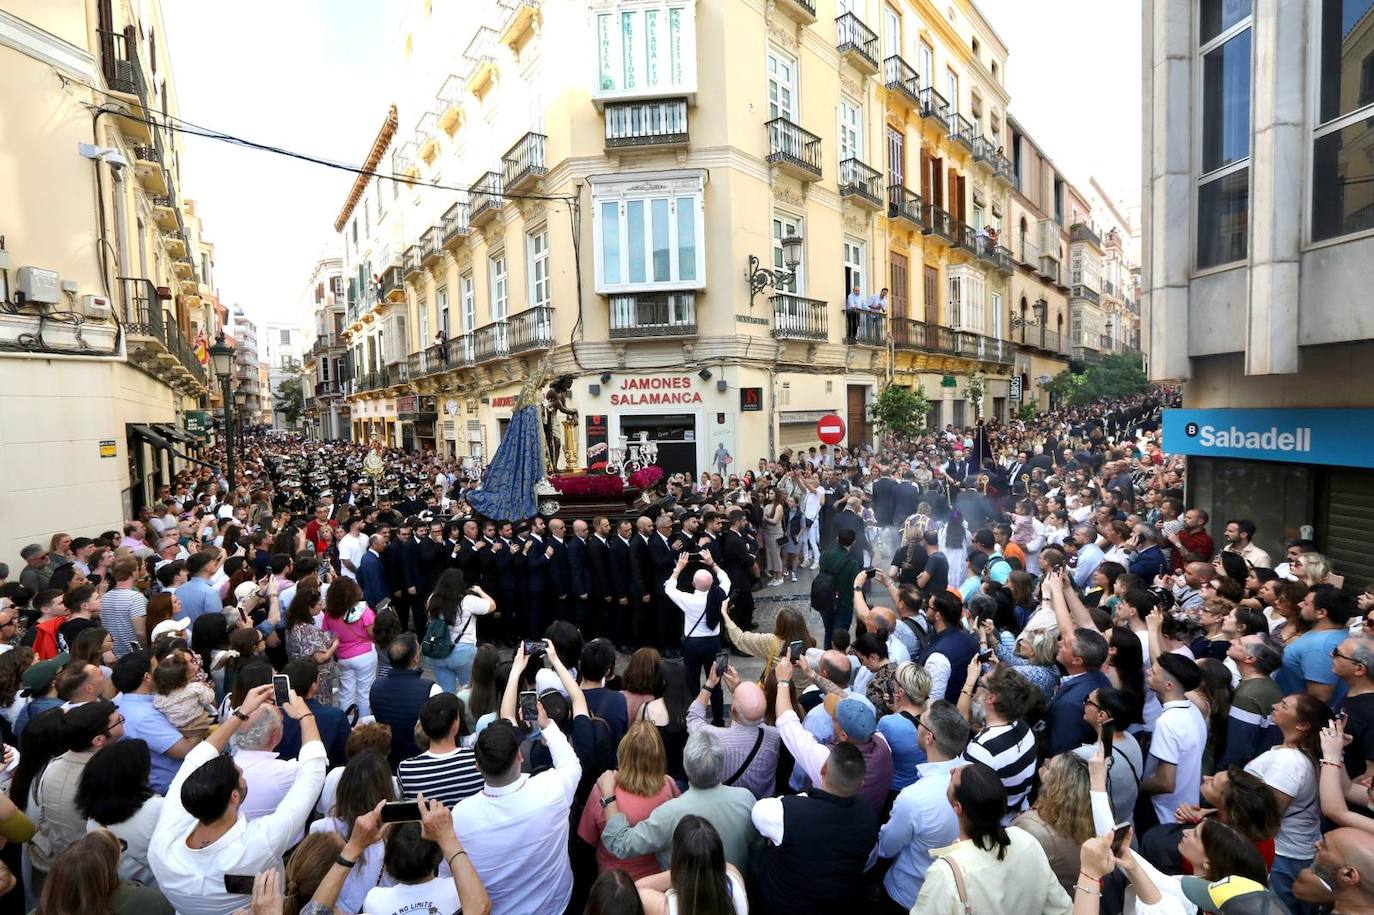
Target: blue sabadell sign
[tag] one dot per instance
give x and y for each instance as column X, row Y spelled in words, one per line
column 1339, row 438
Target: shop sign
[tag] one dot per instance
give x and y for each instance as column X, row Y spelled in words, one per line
column 507, row 402
column 669, row 390
column 198, row 424
column 108, row 449
column 1337, row 438
column 751, row 400
column 1014, row 392
column 406, row 404
column 597, row 441
column 949, row 381
column 751, row 319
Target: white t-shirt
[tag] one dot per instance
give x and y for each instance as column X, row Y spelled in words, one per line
column 1289, row 770
column 471, row 605
column 133, row 835
column 1180, row 735
column 435, row 895
column 351, row 548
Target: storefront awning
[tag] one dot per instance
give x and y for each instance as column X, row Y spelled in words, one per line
column 172, row 433
column 147, row 434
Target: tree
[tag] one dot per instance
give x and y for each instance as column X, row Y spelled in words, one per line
column 900, row 412
column 287, row 401
column 1117, row 375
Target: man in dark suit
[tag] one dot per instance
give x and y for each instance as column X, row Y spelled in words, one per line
column 625, row 583
column 602, row 593
column 394, row 564
column 958, row 469
column 507, row 564
column 662, row 558
column 644, row 630
column 907, row 498
column 537, row 553
column 1082, row 657
column 559, row 571
column 850, row 519
column 430, row 557
column 371, row 574
column 579, row 574
column 885, row 498
column 738, row 564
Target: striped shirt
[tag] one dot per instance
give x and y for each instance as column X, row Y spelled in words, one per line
column 448, row 777
column 118, row 608
column 1009, row 750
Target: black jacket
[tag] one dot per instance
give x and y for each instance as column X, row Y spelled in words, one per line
column 884, row 500
column 849, row 521
column 599, row 564
column 579, row 566
column 559, row 569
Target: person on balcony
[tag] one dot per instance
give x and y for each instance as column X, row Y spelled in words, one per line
column 440, row 350
column 877, row 310
column 854, row 306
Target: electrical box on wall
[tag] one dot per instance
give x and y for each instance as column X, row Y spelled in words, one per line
column 37, row 285
column 95, row 307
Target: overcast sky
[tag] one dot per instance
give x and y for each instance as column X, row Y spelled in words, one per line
column 304, row 75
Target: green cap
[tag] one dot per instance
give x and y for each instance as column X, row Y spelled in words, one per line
column 39, row 676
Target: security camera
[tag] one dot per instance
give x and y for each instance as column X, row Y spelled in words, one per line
column 115, row 161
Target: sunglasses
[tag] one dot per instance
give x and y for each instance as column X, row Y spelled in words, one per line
column 1336, row 653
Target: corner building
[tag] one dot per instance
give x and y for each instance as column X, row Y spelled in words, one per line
column 693, row 135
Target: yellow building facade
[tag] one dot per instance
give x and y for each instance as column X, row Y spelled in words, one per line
column 673, row 203
column 98, row 272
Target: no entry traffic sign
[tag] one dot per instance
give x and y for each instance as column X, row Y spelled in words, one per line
column 830, row 429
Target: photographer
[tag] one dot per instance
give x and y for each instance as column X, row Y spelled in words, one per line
column 702, row 611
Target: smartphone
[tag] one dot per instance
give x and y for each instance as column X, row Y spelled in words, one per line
column 134, row 646
column 985, row 654
column 281, row 690
column 1108, row 738
column 794, row 650
column 401, row 812
column 1119, row 832
column 534, row 648
column 529, row 707
column 239, row 884
column 722, row 662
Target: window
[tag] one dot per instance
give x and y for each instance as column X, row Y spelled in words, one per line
column 967, row 290
column 787, row 226
column 782, row 86
column 647, row 49
column 926, row 64
column 854, row 267
column 537, row 267
column 851, row 130
column 468, row 304
column 496, row 285
column 422, row 306
column 1342, row 173
column 324, row 369
column 952, row 91
column 649, row 233
column 286, row 338
column 997, row 316
column 1223, row 200
column 441, row 303
column 892, row 32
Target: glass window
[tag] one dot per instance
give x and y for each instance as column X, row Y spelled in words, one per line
column 851, row 130
column 629, row 49
column 1343, row 181
column 1226, row 103
column 423, row 308
column 498, row 286
column 610, row 242
column 1220, row 15
column 686, row 238
column 441, row 302
column 788, row 227
column 538, row 252
column 1223, row 208
column 469, row 303
column 782, row 82
column 605, row 64
column 634, row 223
column 659, row 214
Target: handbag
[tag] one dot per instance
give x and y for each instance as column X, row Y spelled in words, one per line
column 959, row 883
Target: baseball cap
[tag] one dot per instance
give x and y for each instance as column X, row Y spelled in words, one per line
column 856, row 717
column 172, row 625
column 1231, row 896
column 39, row 676
column 546, row 680
column 245, row 591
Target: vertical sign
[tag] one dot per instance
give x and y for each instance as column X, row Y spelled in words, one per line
column 597, row 440
column 751, row 400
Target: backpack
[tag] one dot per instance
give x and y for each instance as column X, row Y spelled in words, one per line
column 922, row 637
column 436, row 643
column 823, row 593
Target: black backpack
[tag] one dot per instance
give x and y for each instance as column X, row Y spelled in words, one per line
column 823, row 593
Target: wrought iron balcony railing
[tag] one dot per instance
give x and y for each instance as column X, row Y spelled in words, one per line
column 792, row 147
column 798, row 318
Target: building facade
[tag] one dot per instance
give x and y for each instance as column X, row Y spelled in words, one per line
column 247, row 382
column 104, row 295
column 842, row 148
column 1258, row 238
column 283, row 345
column 324, row 366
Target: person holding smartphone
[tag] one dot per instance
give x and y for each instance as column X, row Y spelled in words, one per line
column 202, row 836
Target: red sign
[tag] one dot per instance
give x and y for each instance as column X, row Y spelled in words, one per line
column 507, row 401
column 830, row 429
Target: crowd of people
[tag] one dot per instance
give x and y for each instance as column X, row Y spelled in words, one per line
column 1018, row 674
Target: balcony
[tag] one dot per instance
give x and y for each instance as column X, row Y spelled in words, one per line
column 903, row 87
column 124, row 75
column 965, row 237
column 934, row 106
column 937, row 224
column 429, row 361
column 404, row 160
column 1002, row 169
column 523, row 165
column 523, row 16
column 659, row 124
column 410, row 260
column 485, row 199
column 490, row 341
column 176, row 242
column 982, row 152
column 903, row 204
column 148, row 167
column 1051, row 341
column 458, row 351
column 856, row 43
column 393, row 285
column 481, row 57
column 1001, row 260
column 165, row 209
column 861, row 183
column 1083, row 232
column 1079, row 291
column 868, row 329
column 1049, row 268
column 1109, row 288
column 156, row 344
column 449, row 104
column 798, row 318
column 920, row 336
column 427, row 133
column 455, row 224
column 795, row 151
column 802, row 11
column 669, row 314
column 531, row 329
column 431, row 245
column 969, row 345
column 963, row 130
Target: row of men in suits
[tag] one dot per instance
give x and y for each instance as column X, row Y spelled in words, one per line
column 607, row 578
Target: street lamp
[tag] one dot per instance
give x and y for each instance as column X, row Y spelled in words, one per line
column 222, row 355
column 760, row 277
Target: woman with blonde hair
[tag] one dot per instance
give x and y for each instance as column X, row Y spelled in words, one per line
column 1032, row 656
column 639, row 786
column 909, row 561
column 1314, row 569
column 1062, row 818
column 908, row 696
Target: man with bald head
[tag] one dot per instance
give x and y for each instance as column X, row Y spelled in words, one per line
column 749, row 745
column 1345, row 862
column 702, row 609
column 881, row 621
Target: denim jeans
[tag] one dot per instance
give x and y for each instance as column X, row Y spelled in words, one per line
column 1281, row 877
column 835, row 620
column 455, row 670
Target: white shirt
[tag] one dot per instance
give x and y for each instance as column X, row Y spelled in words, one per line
column 268, row 779
column 134, row 834
column 435, row 895
column 897, row 653
column 1288, row 769
column 1179, row 738
column 693, row 606
column 517, row 835
column 351, row 549
column 192, row 879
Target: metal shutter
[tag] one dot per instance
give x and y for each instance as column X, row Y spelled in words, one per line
column 1347, row 525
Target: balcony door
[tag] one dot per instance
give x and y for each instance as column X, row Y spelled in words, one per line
column 896, row 157
column 782, row 86
column 897, row 284
column 851, row 130
column 930, row 291
column 789, row 313
column 892, row 32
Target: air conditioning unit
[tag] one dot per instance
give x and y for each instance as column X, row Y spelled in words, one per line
column 95, row 307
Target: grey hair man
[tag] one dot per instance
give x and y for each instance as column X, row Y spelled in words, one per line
column 255, row 751
column 727, row 808
column 1353, row 662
